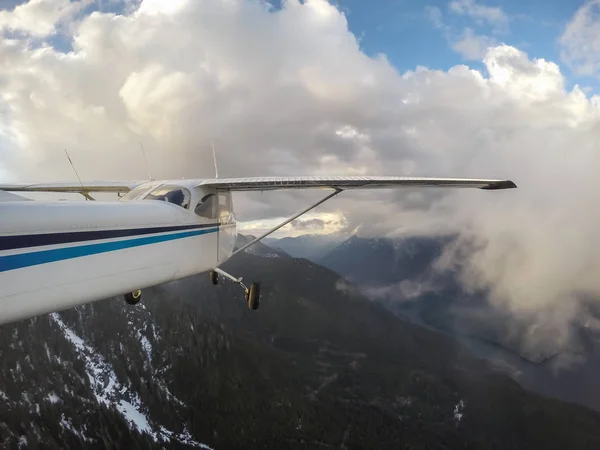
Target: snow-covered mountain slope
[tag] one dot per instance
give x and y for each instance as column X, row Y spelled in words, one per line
column 73, row 390
column 317, row 366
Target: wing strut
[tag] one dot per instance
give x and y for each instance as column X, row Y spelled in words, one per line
column 252, row 294
column 282, row 224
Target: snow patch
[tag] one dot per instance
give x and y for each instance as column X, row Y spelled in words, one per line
column 168, row 393
column 133, row 415
column 147, row 346
column 47, row 351
column 66, row 424
column 22, row 442
column 3, row 396
column 109, row 391
column 53, row 398
column 184, row 438
column 458, row 411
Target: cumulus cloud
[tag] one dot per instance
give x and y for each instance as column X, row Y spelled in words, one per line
column 472, row 46
column 315, row 224
column 40, row 18
column 289, row 92
column 466, row 42
column 580, row 40
column 483, row 14
column 435, row 16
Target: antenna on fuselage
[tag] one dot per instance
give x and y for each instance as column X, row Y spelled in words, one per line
column 212, row 143
column 85, row 194
column 146, row 162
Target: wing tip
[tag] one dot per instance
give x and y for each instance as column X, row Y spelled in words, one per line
column 503, row 184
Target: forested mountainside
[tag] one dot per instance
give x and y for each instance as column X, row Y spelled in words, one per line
column 399, row 274
column 317, row 366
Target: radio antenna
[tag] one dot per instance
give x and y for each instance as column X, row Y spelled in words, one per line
column 85, row 194
column 146, row 162
column 215, row 159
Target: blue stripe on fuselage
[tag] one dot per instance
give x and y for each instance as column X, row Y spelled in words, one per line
column 12, row 262
column 22, row 241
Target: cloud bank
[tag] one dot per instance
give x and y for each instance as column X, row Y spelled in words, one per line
column 289, row 92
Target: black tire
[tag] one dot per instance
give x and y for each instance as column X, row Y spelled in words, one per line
column 134, row 297
column 214, row 277
column 254, row 296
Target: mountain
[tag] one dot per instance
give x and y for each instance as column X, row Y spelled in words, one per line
column 259, row 248
column 398, row 274
column 316, row 366
column 308, row 246
column 382, row 262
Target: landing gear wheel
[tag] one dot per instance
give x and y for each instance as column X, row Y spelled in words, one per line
column 214, row 277
column 253, row 296
column 133, row 297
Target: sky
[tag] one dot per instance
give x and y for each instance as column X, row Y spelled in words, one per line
column 459, row 88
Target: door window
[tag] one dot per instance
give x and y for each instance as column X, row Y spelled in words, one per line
column 207, row 207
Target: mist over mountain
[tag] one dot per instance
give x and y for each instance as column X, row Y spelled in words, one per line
column 404, row 275
column 309, row 246
column 318, row 365
column 375, row 262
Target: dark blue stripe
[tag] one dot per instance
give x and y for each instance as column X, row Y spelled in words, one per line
column 12, row 262
column 37, row 240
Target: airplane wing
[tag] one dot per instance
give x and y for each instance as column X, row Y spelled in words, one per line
column 102, row 186
column 351, row 182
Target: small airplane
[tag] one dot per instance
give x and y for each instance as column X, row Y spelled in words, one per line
column 55, row 255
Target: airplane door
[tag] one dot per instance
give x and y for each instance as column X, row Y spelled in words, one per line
column 227, row 230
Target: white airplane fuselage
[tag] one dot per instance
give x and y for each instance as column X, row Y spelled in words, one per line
column 57, row 255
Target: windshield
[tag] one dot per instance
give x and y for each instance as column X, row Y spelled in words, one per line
column 135, row 193
column 173, row 194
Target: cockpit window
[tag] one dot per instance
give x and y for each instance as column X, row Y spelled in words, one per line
column 170, row 193
column 207, row 207
column 135, row 193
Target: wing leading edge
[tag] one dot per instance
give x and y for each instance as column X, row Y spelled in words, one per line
column 273, row 183
column 103, row 186
column 352, row 182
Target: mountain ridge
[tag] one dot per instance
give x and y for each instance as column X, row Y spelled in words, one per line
column 318, row 365
column 410, row 288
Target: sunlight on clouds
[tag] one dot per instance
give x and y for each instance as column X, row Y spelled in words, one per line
column 310, row 223
column 155, row 7
column 289, row 92
column 516, row 74
column 349, row 132
column 152, row 97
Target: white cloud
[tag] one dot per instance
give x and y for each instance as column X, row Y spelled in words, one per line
column 435, row 16
column 492, row 15
column 39, row 18
column 580, row 40
column 472, row 46
column 290, row 92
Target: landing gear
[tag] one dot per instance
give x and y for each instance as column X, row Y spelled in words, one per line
column 133, row 297
column 251, row 294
